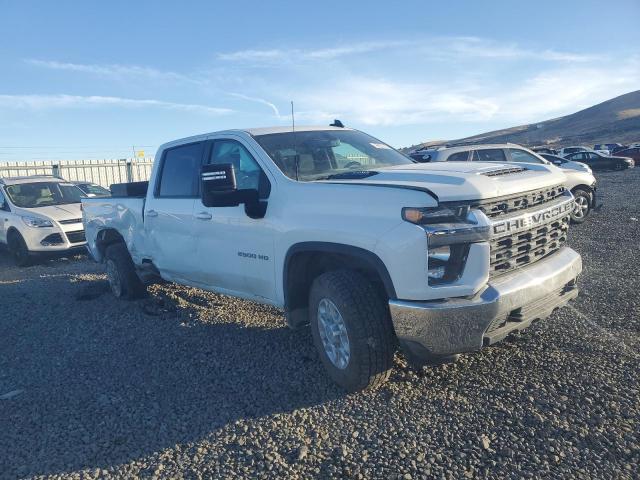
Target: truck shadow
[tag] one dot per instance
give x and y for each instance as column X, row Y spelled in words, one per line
column 104, row 382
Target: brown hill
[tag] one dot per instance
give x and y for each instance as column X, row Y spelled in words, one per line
column 614, row 121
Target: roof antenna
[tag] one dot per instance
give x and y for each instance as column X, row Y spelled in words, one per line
column 295, row 145
column 337, row 123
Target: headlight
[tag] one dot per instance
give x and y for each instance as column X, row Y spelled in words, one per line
column 37, row 222
column 450, row 230
column 435, row 215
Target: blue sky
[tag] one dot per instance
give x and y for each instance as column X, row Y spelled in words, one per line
column 92, row 79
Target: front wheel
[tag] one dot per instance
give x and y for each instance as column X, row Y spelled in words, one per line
column 351, row 329
column 19, row 250
column 582, row 206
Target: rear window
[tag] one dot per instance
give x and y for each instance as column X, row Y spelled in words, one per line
column 180, row 171
column 489, row 155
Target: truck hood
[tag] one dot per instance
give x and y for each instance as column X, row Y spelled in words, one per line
column 58, row 213
column 455, row 181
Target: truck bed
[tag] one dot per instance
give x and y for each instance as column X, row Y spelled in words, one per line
column 123, row 214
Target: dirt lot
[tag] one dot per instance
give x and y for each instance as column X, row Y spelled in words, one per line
column 188, row 384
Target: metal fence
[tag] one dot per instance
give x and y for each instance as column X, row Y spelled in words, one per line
column 102, row 172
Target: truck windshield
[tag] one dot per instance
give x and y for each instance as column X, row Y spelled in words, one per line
column 42, row 194
column 324, row 153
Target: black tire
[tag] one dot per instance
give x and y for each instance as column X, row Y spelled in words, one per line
column 583, row 201
column 121, row 273
column 19, row 250
column 365, row 314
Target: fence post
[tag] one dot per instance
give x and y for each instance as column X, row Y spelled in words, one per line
column 55, row 170
column 129, row 172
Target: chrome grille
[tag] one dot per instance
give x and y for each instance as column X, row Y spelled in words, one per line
column 502, row 206
column 512, row 251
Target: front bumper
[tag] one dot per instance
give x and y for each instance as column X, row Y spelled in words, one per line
column 57, row 239
column 508, row 303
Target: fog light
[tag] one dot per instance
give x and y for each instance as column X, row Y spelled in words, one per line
column 438, row 260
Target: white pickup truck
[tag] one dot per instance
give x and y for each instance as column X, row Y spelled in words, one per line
column 348, row 235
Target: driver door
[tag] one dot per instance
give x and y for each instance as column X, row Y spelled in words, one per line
column 234, row 251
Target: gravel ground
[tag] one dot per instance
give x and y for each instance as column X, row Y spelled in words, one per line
column 188, row 384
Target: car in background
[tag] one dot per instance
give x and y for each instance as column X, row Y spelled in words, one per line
column 607, row 148
column 41, row 215
column 579, row 179
column 91, row 189
column 545, row 150
column 598, row 161
column 632, row 152
column 564, row 163
column 563, row 152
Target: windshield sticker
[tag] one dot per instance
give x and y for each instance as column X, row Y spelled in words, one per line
column 381, row 146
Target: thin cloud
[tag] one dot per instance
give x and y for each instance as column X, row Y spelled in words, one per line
column 271, row 55
column 435, row 47
column 257, row 100
column 116, row 71
column 475, row 47
column 45, row 102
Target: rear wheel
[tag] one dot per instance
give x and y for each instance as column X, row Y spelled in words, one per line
column 582, row 206
column 121, row 273
column 351, row 329
column 19, row 250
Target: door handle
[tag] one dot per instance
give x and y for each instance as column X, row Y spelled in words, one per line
column 203, row 216
column 152, row 213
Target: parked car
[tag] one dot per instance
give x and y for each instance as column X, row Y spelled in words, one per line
column 545, row 150
column 633, row 153
column 597, row 161
column 91, row 189
column 615, row 150
column 579, row 178
column 606, row 148
column 439, row 258
column 564, row 163
column 563, row 152
column 40, row 215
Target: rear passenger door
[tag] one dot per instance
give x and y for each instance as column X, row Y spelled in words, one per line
column 168, row 215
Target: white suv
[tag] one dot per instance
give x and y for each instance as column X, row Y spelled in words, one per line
column 39, row 215
column 579, row 178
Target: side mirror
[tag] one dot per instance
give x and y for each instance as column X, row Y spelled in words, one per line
column 219, row 189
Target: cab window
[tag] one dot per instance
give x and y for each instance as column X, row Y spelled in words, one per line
column 249, row 175
column 180, row 171
column 459, row 157
column 489, row 155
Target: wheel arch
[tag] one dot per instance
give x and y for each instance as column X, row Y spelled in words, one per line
column 107, row 237
column 585, row 188
column 305, row 261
